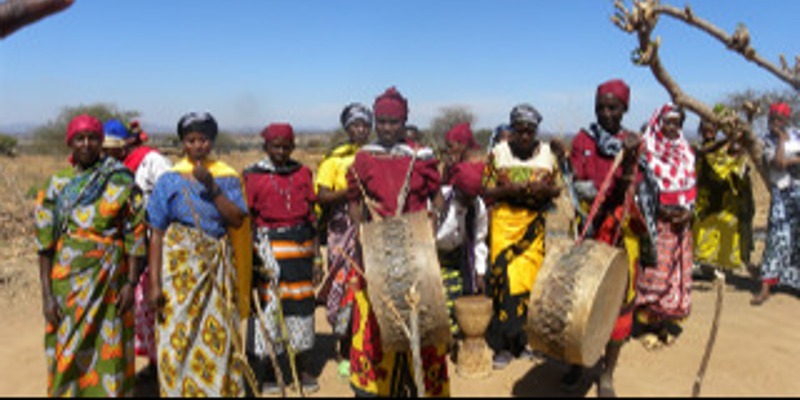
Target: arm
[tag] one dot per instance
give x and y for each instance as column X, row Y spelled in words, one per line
column 781, row 160
column 232, row 214
column 51, row 309
column 328, row 197
column 155, row 296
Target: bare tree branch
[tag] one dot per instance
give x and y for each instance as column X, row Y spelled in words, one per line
column 642, row 19
column 15, row 14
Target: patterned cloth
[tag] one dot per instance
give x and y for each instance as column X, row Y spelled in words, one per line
column 664, row 290
column 287, row 255
column 90, row 221
column 375, row 372
column 517, row 236
column 781, row 262
column 671, row 161
column 723, row 221
column 341, row 238
column 195, row 339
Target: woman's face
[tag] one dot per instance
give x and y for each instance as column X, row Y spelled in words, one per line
column 454, row 150
column 279, row 150
column 86, row 148
column 523, row 136
column 390, row 130
column 118, row 153
column 609, row 110
column 671, row 126
column 358, row 132
column 777, row 122
column 708, row 131
column 197, row 146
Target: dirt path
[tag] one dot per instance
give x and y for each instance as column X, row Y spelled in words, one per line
column 757, row 351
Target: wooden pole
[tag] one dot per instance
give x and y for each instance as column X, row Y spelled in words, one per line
column 274, row 358
column 712, row 336
column 414, row 337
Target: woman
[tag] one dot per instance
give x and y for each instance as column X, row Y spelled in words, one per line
column 663, row 290
column 461, row 237
column 89, row 225
column 617, row 221
column 281, row 196
column 723, row 217
column 331, row 184
column 781, row 262
column 200, row 268
column 377, row 177
column 520, row 182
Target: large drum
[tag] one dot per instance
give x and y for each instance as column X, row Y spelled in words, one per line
column 399, row 251
column 576, row 300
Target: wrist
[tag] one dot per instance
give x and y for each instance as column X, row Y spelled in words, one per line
column 214, row 191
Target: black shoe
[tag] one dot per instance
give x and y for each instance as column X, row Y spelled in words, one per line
column 573, row 379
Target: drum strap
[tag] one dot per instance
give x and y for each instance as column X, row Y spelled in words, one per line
column 601, row 196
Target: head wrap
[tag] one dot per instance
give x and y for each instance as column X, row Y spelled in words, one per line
column 201, row 122
column 84, row 123
column 115, row 128
column 391, row 104
column 462, row 133
column 780, row 109
column 136, row 131
column 113, row 142
column 525, row 113
column 617, row 88
column 467, row 177
column 278, row 131
column 354, row 112
column 670, row 160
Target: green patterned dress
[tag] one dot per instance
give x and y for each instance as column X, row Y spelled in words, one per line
column 89, row 221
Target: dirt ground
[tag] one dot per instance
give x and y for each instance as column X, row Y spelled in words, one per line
column 757, row 351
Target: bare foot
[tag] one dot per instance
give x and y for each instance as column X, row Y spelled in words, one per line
column 760, row 299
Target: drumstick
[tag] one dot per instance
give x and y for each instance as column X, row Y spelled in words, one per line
column 712, row 336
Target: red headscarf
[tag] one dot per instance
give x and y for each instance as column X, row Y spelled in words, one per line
column 84, row 123
column 391, row 104
column 616, row 88
column 278, row 131
column 780, row 109
column 462, row 133
column 467, row 177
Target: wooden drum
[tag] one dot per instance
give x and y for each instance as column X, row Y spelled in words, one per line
column 473, row 314
column 398, row 252
column 576, row 300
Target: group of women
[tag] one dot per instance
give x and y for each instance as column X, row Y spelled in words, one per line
column 207, row 235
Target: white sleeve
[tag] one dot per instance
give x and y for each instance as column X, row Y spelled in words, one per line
column 448, row 234
column 153, row 165
column 481, row 233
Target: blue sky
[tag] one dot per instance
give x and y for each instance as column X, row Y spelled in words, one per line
column 252, row 62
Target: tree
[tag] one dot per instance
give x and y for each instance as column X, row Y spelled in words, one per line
column 762, row 100
column 448, row 117
column 49, row 138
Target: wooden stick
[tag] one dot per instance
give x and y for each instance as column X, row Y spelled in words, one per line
column 413, row 300
column 712, row 336
column 265, row 334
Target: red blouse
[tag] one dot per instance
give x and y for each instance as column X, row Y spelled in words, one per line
column 382, row 176
column 281, row 200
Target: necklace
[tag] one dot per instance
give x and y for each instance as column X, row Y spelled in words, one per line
column 285, row 193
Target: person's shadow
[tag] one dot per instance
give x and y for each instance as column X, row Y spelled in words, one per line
column 544, row 380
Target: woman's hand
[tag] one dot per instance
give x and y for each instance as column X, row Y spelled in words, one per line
column 52, row 311
column 125, row 298
column 203, row 175
column 155, row 300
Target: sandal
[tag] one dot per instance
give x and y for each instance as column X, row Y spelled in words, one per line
column 651, row 342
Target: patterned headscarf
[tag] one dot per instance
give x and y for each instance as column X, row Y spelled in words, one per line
column 391, row 104
column 525, row 113
column 201, row 122
column 84, row 123
column 354, row 112
column 670, row 160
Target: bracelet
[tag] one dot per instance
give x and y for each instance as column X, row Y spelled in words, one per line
column 317, row 261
